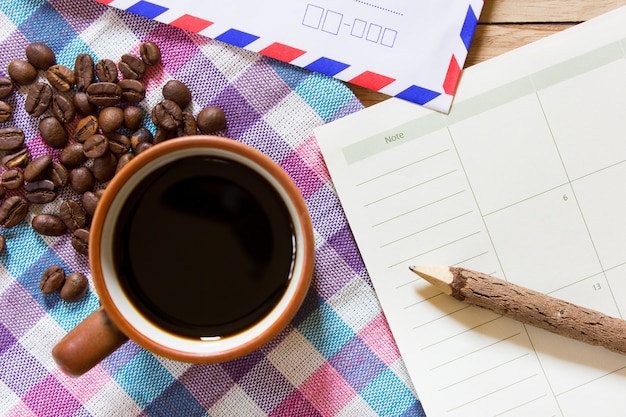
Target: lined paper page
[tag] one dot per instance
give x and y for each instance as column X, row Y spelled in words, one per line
column 522, row 180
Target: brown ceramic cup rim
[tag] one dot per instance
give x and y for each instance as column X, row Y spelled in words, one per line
column 130, row 321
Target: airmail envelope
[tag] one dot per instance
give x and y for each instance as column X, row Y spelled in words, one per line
column 413, row 50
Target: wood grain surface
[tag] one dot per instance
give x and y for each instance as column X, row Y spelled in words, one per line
column 508, row 24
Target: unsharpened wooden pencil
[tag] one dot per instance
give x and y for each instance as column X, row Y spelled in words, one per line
column 528, row 306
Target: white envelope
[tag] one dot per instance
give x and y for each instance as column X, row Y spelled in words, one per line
column 413, row 50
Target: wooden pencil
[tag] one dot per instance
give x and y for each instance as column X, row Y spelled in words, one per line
column 528, row 306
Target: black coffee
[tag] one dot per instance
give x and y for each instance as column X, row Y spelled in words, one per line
column 204, row 247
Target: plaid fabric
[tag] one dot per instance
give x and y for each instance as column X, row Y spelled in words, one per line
column 337, row 357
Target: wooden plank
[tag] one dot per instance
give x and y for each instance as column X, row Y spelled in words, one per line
column 539, row 11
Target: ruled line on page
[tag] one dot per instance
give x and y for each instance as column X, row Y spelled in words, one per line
column 423, row 206
column 484, row 371
column 465, row 330
column 493, row 392
column 417, row 232
column 449, row 362
column 404, row 190
column 404, row 261
column 402, row 167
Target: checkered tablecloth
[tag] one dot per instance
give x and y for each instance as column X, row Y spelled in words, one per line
column 336, row 358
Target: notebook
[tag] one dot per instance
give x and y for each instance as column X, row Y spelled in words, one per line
column 524, row 179
column 411, row 50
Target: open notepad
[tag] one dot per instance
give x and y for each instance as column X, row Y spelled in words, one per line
column 525, row 179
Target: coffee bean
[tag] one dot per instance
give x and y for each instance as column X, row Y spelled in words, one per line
column 189, row 126
column 63, row 109
column 111, row 119
column 141, row 135
column 38, row 99
column 161, row 135
column 150, row 53
column 48, row 225
column 40, row 55
column 11, row 137
column 123, row 160
column 6, row 87
column 104, row 94
column 16, row 159
column 104, row 167
column 52, row 279
column 6, row 111
column 2, row 191
column 12, row 211
column 22, row 72
column 106, row 71
column 37, row 167
column 82, row 179
column 74, row 287
column 96, row 146
column 72, row 155
column 133, row 91
column 60, row 77
column 142, row 147
column 3, row 243
column 167, row 115
column 83, row 71
column 40, row 192
column 177, row 92
column 119, row 144
column 133, row 117
column 58, row 174
column 86, row 127
column 82, row 104
column 90, row 201
column 52, row 132
column 211, row 119
column 12, row 179
column 131, row 67
column 80, row 241
column 73, row 215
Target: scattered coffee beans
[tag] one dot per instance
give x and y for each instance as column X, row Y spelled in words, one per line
column 177, row 92
column 38, row 99
column 12, row 211
column 48, row 225
column 111, row 119
column 211, row 119
column 22, row 72
column 37, row 167
column 90, row 153
column 60, row 77
column 150, row 53
column 52, row 279
column 12, row 179
column 52, row 132
column 80, row 241
column 167, row 115
column 73, row 215
column 6, row 87
column 82, row 179
column 131, row 67
column 40, row 55
column 40, row 192
column 83, row 71
column 74, row 287
column 11, row 138
column 5, row 111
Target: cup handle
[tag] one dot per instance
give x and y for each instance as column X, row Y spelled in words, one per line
column 88, row 343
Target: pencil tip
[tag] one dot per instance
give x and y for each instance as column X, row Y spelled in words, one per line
column 412, row 267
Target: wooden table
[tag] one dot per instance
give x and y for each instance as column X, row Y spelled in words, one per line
column 508, row 24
